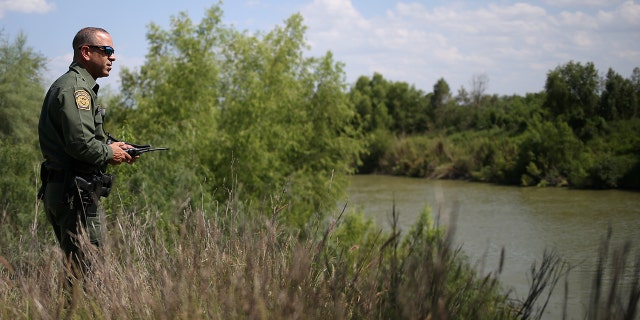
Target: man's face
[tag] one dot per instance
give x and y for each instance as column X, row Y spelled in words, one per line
column 99, row 61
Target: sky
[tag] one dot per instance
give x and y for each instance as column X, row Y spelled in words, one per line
column 511, row 44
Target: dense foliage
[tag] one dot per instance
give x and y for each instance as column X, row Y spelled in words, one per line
column 21, row 95
column 581, row 131
column 243, row 109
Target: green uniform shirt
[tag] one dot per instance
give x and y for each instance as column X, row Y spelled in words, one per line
column 70, row 128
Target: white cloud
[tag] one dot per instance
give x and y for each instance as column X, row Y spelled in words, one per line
column 419, row 44
column 629, row 11
column 25, row 6
column 582, row 3
column 56, row 66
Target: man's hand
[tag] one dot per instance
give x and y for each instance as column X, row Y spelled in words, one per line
column 119, row 155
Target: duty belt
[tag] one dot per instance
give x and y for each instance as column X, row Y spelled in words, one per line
column 100, row 184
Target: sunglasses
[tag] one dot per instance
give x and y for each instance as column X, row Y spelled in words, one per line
column 107, row 49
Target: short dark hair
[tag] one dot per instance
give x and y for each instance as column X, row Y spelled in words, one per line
column 86, row 36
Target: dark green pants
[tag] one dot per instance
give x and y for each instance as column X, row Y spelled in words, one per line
column 72, row 218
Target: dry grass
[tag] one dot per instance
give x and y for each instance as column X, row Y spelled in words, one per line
column 236, row 265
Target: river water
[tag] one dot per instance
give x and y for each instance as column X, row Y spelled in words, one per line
column 523, row 221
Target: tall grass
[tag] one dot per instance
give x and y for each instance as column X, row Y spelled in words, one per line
column 239, row 264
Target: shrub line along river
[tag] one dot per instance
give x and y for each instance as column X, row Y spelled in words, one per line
column 523, row 221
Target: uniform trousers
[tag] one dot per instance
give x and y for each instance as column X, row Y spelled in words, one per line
column 71, row 218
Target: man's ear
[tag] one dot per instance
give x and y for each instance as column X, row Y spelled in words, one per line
column 84, row 53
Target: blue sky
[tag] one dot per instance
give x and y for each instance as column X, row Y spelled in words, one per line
column 514, row 44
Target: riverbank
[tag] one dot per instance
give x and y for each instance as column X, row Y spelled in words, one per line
column 544, row 155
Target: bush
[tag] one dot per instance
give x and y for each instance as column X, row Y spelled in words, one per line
column 378, row 142
column 19, row 183
column 608, row 171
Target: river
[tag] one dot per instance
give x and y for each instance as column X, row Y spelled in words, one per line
column 523, row 221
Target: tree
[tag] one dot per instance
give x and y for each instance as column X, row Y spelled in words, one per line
column 370, row 98
column 441, row 94
column 408, row 108
column 635, row 83
column 173, row 100
column 572, row 94
column 463, row 98
column 548, row 153
column 287, row 120
column 21, row 95
column 248, row 113
column 21, row 90
column 439, row 101
column 618, row 99
column 479, row 84
column 635, row 79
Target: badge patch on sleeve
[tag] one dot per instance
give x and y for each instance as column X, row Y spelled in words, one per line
column 83, row 99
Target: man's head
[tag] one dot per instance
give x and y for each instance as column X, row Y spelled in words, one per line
column 93, row 49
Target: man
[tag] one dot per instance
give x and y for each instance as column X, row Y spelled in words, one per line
column 75, row 146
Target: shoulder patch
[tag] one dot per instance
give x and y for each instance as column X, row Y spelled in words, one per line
column 83, row 99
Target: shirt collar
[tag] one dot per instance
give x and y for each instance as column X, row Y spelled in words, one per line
column 91, row 83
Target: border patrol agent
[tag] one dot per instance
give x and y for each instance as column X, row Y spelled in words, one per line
column 75, row 146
